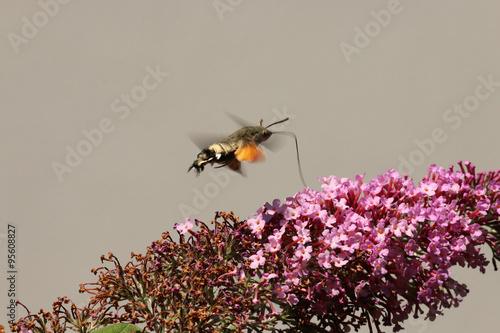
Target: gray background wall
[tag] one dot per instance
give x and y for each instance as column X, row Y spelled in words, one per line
column 368, row 85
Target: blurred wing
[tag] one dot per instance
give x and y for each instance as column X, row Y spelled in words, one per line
column 203, row 140
column 274, row 143
column 249, row 153
column 240, row 121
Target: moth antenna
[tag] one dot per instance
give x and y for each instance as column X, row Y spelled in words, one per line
column 296, row 148
column 275, row 123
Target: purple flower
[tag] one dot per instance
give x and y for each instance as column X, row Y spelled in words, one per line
column 281, row 290
column 25, row 330
column 324, row 259
column 428, row 188
column 184, row 227
column 257, row 225
column 257, row 259
column 292, row 299
column 303, row 252
column 339, row 260
column 274, row 244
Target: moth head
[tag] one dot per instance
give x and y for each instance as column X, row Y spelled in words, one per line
column 266, row 133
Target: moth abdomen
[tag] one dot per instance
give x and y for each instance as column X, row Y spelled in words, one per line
column 221, row 153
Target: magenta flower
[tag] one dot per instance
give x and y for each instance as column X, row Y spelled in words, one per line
column 257, row 259
column 292, row 299
column 428, row 188
column 25, row 330
column 257, row 225
column 303, row 252
column 281, row 291
column 273, row 245
column 182, row 228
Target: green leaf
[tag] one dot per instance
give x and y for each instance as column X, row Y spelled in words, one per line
column 119, row 328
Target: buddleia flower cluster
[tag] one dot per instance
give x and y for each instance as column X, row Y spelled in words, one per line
column 375, row 253
column 352, row 254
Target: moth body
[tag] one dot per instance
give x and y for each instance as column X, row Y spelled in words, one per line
column 240, row 146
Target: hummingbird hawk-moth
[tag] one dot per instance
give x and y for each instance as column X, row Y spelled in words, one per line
column 240, row 146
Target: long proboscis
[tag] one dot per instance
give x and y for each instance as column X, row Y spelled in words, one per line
column 275, row 123
column 296, row 148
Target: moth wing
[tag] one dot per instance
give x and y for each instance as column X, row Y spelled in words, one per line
column 203, row 140
column 240, row 121
column 235, row 165
column 274, row 143
column 249, row 153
